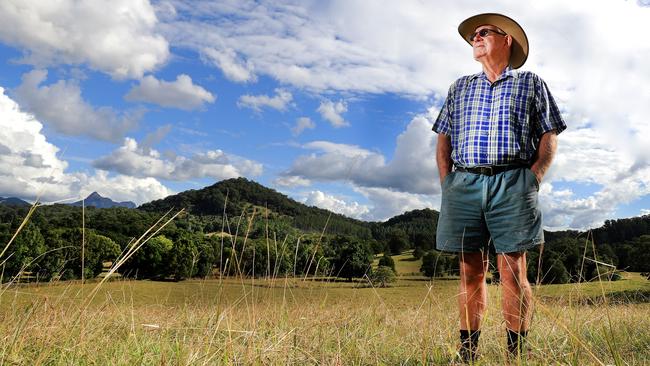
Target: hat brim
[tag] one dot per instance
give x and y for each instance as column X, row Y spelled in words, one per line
column 519, row 51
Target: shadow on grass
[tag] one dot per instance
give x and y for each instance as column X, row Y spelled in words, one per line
column 411, row 259
column 427, row 279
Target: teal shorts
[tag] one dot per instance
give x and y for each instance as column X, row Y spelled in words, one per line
column 478, row 209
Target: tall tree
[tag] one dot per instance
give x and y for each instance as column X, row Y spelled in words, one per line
column 353, row 257
column 397, row 241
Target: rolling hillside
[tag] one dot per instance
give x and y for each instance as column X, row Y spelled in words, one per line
column 236, row 195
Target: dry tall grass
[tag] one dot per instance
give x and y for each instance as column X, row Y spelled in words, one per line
column 299, row 321
column 294, row 322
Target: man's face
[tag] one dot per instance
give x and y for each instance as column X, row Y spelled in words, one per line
column 495, row 44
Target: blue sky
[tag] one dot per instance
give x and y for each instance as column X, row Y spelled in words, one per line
column 330, row 102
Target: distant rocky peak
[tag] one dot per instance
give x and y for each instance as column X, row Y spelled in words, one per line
column 94, row 195
column 99, row 201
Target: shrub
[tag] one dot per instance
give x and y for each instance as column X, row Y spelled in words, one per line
column 387, row 261
column 382, row 276
column 431, row 266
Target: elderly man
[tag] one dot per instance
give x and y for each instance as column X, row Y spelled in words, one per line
column 496, row 140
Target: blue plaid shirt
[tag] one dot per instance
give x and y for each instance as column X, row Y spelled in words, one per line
column 499, row 123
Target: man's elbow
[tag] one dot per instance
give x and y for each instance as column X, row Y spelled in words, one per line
column 548, row 143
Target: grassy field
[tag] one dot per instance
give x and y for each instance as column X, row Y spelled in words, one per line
column 291, row 321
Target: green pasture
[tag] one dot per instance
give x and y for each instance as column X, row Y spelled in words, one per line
column 405, row 264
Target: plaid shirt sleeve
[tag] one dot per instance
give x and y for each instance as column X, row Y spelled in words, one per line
column 443, row 122
column 546, row 115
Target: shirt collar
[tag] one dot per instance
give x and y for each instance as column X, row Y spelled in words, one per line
column 508, row 72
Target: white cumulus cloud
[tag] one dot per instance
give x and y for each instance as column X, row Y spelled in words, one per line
column 231, row 65
column 412, row 169
column 336, row 204
column 124, row 188
column 30, row 167
column 332, row 112
column 117, row 37
column 21, row 136
column 302, row 124
column 292, row 181
column 280, row 101
column 62, row 106
column 181, row 93
column 377, row 46
column 588, row 158
column 133, row 160
column 386, row 203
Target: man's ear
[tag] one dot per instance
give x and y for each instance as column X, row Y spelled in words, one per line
column 508, row 40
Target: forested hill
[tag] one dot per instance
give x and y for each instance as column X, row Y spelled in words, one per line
column 418, row 226
column 239, row 194
column 622, row 230
column 425, row 219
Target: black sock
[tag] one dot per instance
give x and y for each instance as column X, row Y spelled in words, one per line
column 516, row 341
column 469, row 343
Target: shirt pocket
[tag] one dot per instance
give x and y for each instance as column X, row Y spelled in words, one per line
column 519, row 124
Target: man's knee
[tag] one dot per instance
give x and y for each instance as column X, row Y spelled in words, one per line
column 473, row 268
column 513, row 269
column 473, row 275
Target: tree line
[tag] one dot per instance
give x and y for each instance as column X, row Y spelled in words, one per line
column 238, row 227
column 50, row 246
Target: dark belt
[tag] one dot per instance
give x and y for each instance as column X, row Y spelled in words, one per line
column 489, row 170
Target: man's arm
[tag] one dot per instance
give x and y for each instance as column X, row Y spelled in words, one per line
column 443, row 156
column 544, row 155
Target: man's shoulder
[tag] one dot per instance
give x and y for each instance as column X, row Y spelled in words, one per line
column 464, row 80
column 527, row 75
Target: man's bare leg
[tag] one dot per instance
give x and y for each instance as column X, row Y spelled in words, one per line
column 472, row 302
column 516, row 297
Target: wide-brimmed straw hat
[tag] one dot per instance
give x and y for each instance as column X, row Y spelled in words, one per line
column 519, row 50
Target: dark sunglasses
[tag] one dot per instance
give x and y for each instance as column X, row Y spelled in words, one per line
column 484, row 33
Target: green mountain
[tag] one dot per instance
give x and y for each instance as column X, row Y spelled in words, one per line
column 13, row 201
column 234, row 196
